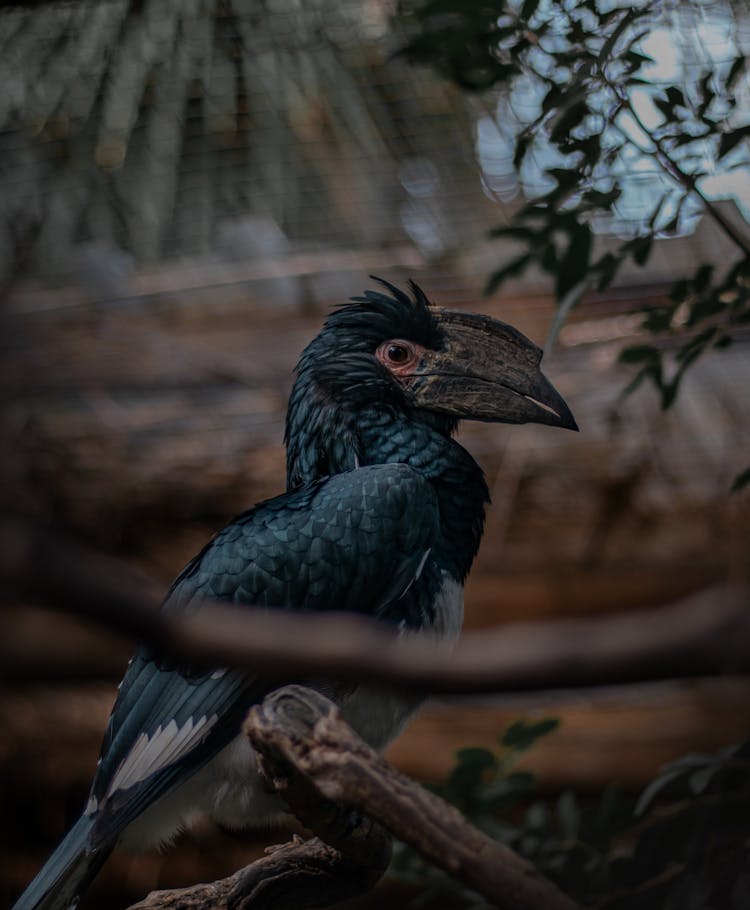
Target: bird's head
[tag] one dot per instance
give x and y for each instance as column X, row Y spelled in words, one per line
column 402, row 351
column 398, row 352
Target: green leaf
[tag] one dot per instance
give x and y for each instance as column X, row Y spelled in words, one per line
column 566, row 178
column 695, row 346
column 706, row 306
column 639, row 353
column 675, row 772
column 652, row 370
column 640, row 248
column 548, row 257
column 732, row 139
column 679, row 291
column 606, row 267
column 675, row 96
column 669, row 392
column 596, row 199
column 523, row 141
column 522, row 734
column 635, row 61
column 666, row 108
column 590, row 149
column 706, row 93
column 475, row 755
column 553, row 98
column 630, row 16
column 735, row 71
column 658, row 319
column 514, row 267
column 699, row 781
column 567, row 119
column 516, row 231
column 575, row 262
column 528, row 9
column 703, row 278
column 471, row 770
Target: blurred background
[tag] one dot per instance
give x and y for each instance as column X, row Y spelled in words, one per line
column 186, row 189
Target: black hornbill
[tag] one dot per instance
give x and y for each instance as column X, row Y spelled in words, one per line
column 383, row 515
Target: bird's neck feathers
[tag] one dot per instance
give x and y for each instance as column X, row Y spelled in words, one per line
column 326, row 436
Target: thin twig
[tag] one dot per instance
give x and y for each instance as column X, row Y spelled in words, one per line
column 688, row 181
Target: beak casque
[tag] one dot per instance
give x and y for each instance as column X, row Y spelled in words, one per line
column 487, row 370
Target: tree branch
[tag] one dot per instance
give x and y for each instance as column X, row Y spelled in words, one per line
column 705, row 634
column 688, row 181
column 319, row 765
column 664, row 159
column 298, row 875
column 299, row 727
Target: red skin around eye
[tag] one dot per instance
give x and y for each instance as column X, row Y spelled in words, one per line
column 403, row 368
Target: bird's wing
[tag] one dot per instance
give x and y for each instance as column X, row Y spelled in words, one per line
column 351, row 542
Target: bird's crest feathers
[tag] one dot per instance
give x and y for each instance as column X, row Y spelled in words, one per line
column 393, row 315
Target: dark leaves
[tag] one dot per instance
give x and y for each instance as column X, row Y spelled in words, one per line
column 736, row 70
column 684, row 843
column 575, row 260
column 583, row 65
column 731, row 139
column 483, row 782
column 699, row 315
column 640, row 353
column 522, row 734
column 515, row 267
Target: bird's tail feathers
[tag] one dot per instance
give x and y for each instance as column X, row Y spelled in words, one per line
column 66, row 873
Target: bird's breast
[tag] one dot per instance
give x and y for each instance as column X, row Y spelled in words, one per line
column 378, row 713
column 448, row 607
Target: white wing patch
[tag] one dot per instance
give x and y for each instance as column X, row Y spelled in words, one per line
column 164, row 747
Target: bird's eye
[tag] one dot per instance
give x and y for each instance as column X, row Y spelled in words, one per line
column 399, row 356
column 397, row 353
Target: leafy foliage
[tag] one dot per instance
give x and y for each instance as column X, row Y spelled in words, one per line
column 700, row 313
column 582, row 65
column 685, row 843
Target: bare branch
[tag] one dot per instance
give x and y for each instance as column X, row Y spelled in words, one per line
column 336, row 784
column 209, row 896
column 705, row 634
column 294, row 876
column 299, row 728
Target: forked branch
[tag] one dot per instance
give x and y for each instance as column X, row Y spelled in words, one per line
column 349, row 795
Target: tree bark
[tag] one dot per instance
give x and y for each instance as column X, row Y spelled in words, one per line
column 299, row 728
column 349, row 795
column 298, row 875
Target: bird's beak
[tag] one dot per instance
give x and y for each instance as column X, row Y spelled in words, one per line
column 487, row 370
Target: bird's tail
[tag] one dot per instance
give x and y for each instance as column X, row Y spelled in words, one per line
column 66, row 873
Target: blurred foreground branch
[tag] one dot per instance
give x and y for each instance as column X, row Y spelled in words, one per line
column 703, row 635
column 319, row 765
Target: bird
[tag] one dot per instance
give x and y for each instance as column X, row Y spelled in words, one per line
column 382, row 515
